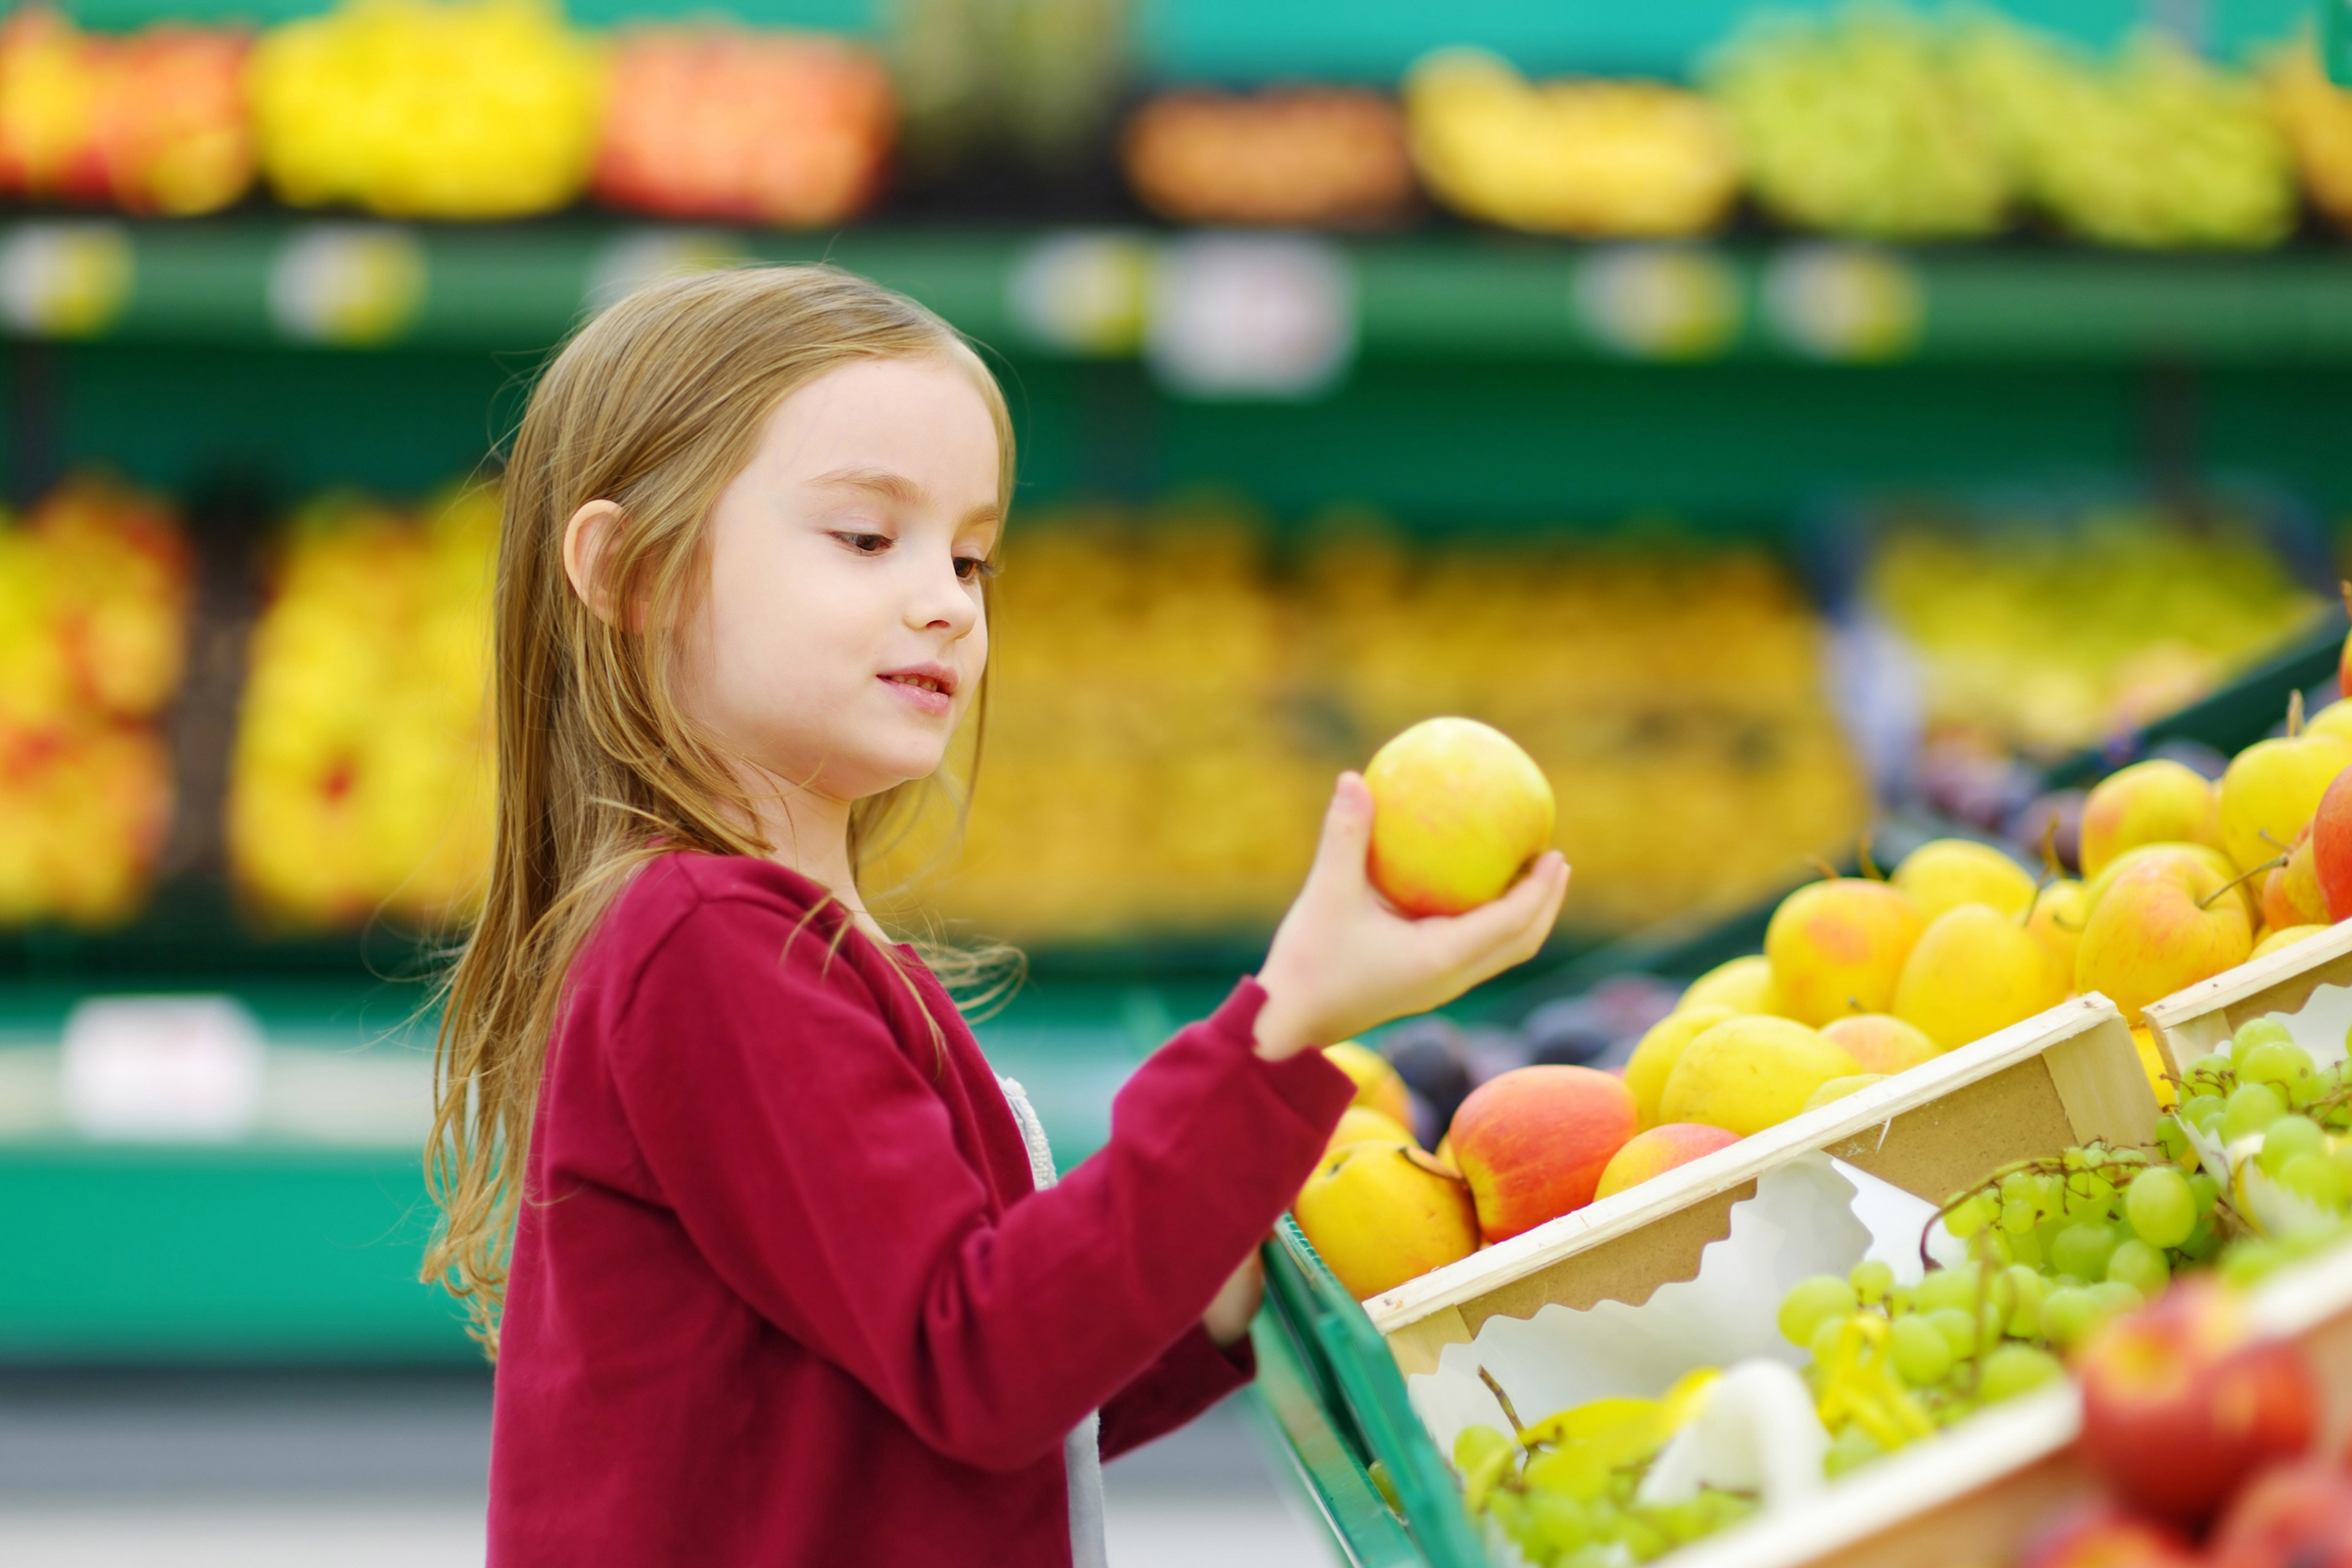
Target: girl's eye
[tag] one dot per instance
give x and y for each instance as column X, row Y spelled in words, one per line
column 974, row 568
column 866, row 544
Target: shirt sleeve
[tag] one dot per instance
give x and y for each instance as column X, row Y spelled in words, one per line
column 1190, row 1375
column 814, row 1164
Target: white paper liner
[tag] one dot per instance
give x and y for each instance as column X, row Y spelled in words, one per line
column 2320, row 1026
column 1813, row 1215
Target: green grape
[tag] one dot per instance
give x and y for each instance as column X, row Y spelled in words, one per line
column 1920, row 1354
column 2204, row 1111
column 1947, row 1287
column 2257, row 1032
column 2253, row 1107
column 1972, row 1216
column 1958, row 1327
column 1506, row 1507
column 2289, row 1137
column 2315, row 1178
column 1898, row 1300
column 2173, row 1139
column 1811, row 1300
column 2013, row 1370
column 2025, row 1249
column 2113, row 1297
column 2204, row 1243
column 2250, row 1260
column 1852, row 1447
column 2129, row 1159
column 2212, row 1073
column 2342, row 1155
column 2027, row 1288
column 2205, row 1190
column 2017, row 1217
column 2140, row 1266
column 2160, row 1206
column 2082, row 1250
column 1551, row 1523
column 1871, row 1279
column 1575, row 1471
column 1823, row 1343
column 1996, row 1249
column 2089, row 1197
column 2284, row 1065
column 1473, row 1445
column 2068, row 1315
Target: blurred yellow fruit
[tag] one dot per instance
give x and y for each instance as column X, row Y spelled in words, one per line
column 1742, row 985
column 2155, row 802
column 1653, row 1061
column 1973, row 971
column 1378, row 1087
column 1837, row 947
column 2286, row 936
column 1381, row 1213
column 1947, row 872
column 2057, row 922
column 1361, row 1123
column 1837, row 1088
column 1746, row 1074
column 2270, row 791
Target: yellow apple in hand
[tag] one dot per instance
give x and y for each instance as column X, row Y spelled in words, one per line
column 1975, row 970
column 1837, row 947
column 2155, row 801
column 1458, row 811
column 2160, row 926
column 2270, row 791
column 1945, row 873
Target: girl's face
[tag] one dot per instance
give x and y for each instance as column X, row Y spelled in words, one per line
column 843, row 634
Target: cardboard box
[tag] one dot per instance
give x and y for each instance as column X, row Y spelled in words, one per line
column 2190, row 1023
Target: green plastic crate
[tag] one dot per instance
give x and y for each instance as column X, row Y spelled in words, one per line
column 1332, row 1388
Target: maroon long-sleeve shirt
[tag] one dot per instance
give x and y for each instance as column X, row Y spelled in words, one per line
column 781, row 1292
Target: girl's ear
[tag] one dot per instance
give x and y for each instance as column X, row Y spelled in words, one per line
column 584, row 539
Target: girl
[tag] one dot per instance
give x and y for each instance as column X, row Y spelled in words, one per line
column 753, row 1231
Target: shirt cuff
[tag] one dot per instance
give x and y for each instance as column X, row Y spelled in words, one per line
column 1306, row 1082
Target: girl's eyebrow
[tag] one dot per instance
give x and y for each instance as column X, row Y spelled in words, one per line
column 899, row 489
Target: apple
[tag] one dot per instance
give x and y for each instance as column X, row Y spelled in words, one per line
column 2155, row 801
column 2291, row 1516
column 2271, row 789
column 1837, row 947
column 1381, row 1213
column 1377, row 1085
column 2331, row 851
column 1945, row 873
column 1880, row 1042
column 2057, row 921
column 1532, row 1143
column 1658, row 1151
column 1973, row 971
column 1742, row 985
column 2162, row 924
column 1458, row 811
column 2096, row 889
column 2180, row 1404
column 2285, row 936
column 171, row 128
column 1361, row 1123
column 1654, row 1058
column 2290, row 895
column 2101, row 1536
column 1749, row 1073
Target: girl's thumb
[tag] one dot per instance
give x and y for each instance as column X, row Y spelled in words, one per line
column 1347, row 829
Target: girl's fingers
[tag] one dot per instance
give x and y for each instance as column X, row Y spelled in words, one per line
column 1511, row 928
column 1347, row 834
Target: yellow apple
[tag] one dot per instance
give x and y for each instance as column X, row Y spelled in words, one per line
column 2096, row 889
column 2155, row 801
column 2285, row 936
column 1743, row 984
column 1381, row 1213
column 1653, row 1060
column 2270, row 791
column 1838, row 946
column 2158, row 926
column 1458, row 810
column 1748, row 1074
column 1947, row 872
column 1881, row 1041
column 2335, row 719
column 2152, row 1064
column 1378, row 1087
column 1975, row 970
column 1837, row 1088
column 2057, row 922
column 1361, row 1123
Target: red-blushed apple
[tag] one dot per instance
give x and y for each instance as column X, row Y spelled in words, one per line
column 2331, row 847
column 1532, row 1143
column 1458, row 811
column 1658, row 1151
column 2101, row 1536
column 2180, row 1405
column 2290, row 1516
column 2163, row 924
column 2292, row 895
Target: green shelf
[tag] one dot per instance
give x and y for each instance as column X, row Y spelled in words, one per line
column 354, row 284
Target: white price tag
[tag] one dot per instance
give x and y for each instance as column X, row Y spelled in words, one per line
column 1083, row 293
column 352, row 285
column 1844, row 301
column 162, row 1069
column 629, row 262
column 64, row 280
column 1252, row 316
column 1659, row 301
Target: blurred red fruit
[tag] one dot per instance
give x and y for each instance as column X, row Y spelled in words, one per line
column 2101, row 1536
column 2331, row 847
column 2291, row 1517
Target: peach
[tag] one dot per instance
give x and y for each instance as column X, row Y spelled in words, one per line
column 1381, row 1213
column 2270, row 791
column 1458, row 811
column 1880, row 1042
column 1532, row 1143
column 1653, row 1060
column 1947, row 872
column 1378, row 1087
column 2155, row 801
column 2163, row 923
column 1658, row 1151
column 1837, row 947
column 1972, row 971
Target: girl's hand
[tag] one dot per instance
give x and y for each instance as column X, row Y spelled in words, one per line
column 1228, row 1317
column 1344, row 959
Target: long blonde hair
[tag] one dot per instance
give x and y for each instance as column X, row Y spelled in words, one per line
column 656, row 405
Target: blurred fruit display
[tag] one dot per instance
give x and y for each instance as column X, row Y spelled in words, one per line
column 152, row 123
column 1595, row 158
column 94, row 598
column 1854, row 124
column 758, row 127
column 1288, row 155
column 2049, row 633
column 2317, row 116
column 1168, row 711
column 457, row 109
column 360, row 781
column 2152, row 148
column 1032, row 79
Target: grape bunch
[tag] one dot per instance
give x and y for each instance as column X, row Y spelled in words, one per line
column 1566, row 1499
column 2284, row 1126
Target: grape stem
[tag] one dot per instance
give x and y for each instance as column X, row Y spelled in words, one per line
column 1504, row 1400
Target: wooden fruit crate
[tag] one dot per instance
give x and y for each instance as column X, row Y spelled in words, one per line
column 2190, row 1023
column 2062, row 1078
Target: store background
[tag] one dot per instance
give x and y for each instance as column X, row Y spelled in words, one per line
column 1755, row 542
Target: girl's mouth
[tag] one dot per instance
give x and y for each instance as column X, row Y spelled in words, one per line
column 930, row 693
